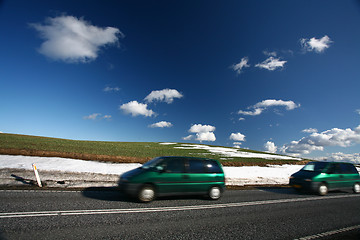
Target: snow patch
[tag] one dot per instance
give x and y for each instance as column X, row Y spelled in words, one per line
column 232, row 152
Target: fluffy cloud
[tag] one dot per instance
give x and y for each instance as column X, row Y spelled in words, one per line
column 134, row 108
column 165, row 95
column 111, row 89
column 205, row 136
column 189, row 137
column 162, row 124
column 343, row 157
column 357, row 111
column 317, row 45
column 271, row 64
column 71, row 39
column 258, row 108
column 317, row 141
column 95, row 116
column 198, row 128
column 242, row 64
column 310, row 130
column 237, row 137
column 203, row 133
column 270, row 147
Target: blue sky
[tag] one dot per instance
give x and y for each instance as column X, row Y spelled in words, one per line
column 277, row 76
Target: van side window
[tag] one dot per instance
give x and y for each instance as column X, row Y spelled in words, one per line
column 212, row 167
column 334, row 169
column 196, row 166
column 347, row 168
column 174, row 165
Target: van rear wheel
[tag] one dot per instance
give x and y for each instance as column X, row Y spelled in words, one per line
column 146, row 193
column 356, row 188
column 214, row 193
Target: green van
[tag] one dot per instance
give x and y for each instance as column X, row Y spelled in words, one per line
column 321, row 177
column 174, row 176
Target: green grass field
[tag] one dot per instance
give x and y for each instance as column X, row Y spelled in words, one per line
column 113, row 151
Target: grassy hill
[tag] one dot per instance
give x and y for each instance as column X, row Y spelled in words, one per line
column 123, row 152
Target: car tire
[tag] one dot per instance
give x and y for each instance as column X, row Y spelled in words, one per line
column 356, row 188
column 146, row 193
column 214, row 193
column 322, row 189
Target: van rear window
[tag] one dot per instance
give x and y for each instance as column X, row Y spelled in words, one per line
column 212, row 167
column 348, row 168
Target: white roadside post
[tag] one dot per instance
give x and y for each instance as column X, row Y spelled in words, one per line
column 37, row 175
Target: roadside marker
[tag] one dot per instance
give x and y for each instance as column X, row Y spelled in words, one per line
column 37, row 175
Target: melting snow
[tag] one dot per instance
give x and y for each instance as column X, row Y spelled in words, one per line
column 232, row 152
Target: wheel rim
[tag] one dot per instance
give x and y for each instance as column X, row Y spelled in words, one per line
column 323, row 189
column 357, row 188
column 147, row 194
column 215, row 193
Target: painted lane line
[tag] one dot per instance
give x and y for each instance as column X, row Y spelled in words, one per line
column 330, row 233
column 164, row 209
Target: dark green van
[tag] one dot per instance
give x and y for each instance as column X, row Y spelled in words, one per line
column 321, row 177
column 174, row 176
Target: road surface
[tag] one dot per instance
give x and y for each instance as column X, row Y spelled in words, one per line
column 266, row 213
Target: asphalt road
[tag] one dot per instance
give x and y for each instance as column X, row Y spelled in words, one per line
column 267, row 213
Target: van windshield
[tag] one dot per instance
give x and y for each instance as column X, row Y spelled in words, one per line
column 152, row 163
column 314, row 166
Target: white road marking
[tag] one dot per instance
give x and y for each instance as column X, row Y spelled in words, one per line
column 165, row 209
column 330, row 233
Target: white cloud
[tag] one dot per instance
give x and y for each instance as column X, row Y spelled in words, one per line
column 259, row 107
column 198, row 128
column 134, row 108
column 317, row 45
column 267, row 53
column 242, row 64
column 241, row 119
column 111, row 89
column 289, row 105
column 205, row 136
column 271, row 64
column 203, row 133
column 92, row 116
column 70, row 39
column 270, row 147
column 310, row 130
column 317, row 141
column 107, row 117
column 162, row 124
column 95, row 116
column 343, row 157
column 255, row 112
column 165, row 95
column 237, row 144
column 189, row 137
column 237, row 137
column 357, row 111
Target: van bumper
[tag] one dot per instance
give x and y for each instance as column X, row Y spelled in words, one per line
column 130, row 189
column 304, row 185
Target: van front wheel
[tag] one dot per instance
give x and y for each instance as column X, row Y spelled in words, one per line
column 322, row 189
column 356, row 188
column 214, row 193
column 146, row 193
